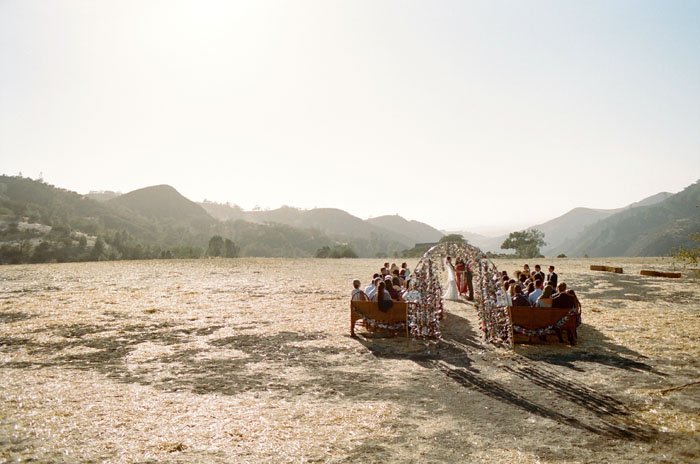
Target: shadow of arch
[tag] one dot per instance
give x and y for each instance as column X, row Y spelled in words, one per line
column 588, row 409
column 597, row 348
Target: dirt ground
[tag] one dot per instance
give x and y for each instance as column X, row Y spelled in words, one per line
column 250, row 360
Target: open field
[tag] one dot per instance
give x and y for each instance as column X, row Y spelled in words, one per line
column 250, row 360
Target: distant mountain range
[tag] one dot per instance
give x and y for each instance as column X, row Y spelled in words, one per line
column 160, row 218
column 572, row 233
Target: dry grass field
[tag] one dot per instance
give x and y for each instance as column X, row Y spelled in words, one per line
column 250, row 360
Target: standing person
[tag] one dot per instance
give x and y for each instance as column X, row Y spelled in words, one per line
column 404, row 266
column 460, row 270
column 552, row 277
column 538, row 273
column 451, row 293
column 470, row 280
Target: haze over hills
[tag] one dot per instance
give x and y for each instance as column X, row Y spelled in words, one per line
column 649, row 230
column 561, row 232
column 334, row 222
column 39, row 223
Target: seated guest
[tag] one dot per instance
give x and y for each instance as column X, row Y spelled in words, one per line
column 371, row 291
column 357, row 293
column 412, row 294
column 384, row 271
column 503, row 295
column 522, row 278
column 397, row 274
column 372, row 287
column 535, row 294
column 577, row 306
column 396, row 284
column 389, row 285
column 530, row 288
column 511, row 288
column 563, row 299
column 545, row 300
column 393, row 268
column 519, row 299
column 382, row 297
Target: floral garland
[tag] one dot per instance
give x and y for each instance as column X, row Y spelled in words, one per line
column 371, row 324
column 546, row 330
column 424, row 321
column 426, row 310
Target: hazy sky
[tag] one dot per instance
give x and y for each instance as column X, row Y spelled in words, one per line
column 460, row 114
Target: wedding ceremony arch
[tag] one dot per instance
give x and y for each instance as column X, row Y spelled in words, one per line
column 427, row 311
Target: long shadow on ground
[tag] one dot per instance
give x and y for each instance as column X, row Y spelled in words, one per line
column 188, row 368
column 601, row 414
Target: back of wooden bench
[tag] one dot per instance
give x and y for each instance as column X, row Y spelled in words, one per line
column 536, row 318
column 540, row 318
column 370, row 310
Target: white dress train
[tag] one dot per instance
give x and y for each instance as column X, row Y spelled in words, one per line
column 451, row 293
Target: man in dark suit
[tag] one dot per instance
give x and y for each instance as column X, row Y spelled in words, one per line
column 538, row 274
column 562, row 299
column 552, row 277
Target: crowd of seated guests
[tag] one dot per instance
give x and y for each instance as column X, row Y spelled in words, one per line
column 391, row 283
column 535, row 289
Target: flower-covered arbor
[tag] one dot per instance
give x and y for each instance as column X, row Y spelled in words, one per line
column 427, row 312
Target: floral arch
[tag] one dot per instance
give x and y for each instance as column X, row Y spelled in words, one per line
column 427, row 311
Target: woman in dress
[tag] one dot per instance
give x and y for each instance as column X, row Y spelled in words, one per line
column 452, row 293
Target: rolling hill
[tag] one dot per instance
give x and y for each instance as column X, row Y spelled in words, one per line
column 336, row 223
column 162, row 202
column 417, row 232
column 649, row 230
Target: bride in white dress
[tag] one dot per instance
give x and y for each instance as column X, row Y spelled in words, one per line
column 452, row 293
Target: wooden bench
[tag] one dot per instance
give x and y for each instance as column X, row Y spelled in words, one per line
column 532, row 319
column 369, row 312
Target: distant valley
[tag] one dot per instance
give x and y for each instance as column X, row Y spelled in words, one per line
column 40, row 222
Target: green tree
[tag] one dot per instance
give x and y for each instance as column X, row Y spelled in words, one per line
column 99, row 250
column 453, row 238
column 216, row 246
column 343, row 251
column 230, row 249
column 323, row 252
column 689, row 255
column 42, row 253
column 526, row 243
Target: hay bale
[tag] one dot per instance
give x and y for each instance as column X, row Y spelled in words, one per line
column 616, row 270
column 670, row 275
